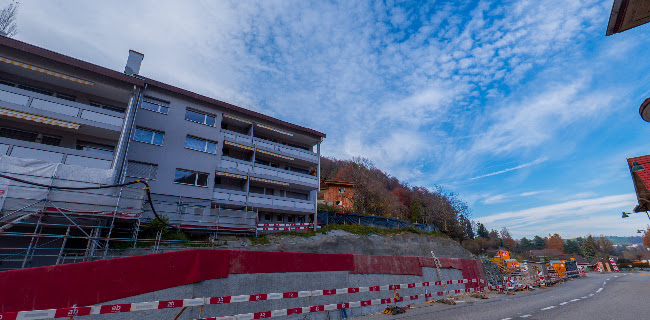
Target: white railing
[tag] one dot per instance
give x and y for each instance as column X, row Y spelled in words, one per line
column 305, row 154
column 236, row 164
column 259, row 199
column 33, row 100
column 285, row 174
column 32, row 150
column 229, row 195
column 236, row 137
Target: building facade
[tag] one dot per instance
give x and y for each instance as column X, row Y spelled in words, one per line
column 339, row 193
column 208, row 163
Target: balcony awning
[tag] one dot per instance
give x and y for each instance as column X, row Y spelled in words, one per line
column 236, row 118
column 231, row 175
column 275, row 154
column 270, row 181
column 37, row 118
column 233, row 144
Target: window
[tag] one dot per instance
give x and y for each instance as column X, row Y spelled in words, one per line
column 155, row 105
column 342, row 190
column 142, row 170
column 200, row 145
column 297, row 195
column 107, row 106
column 261, row 190
column 191, row 178
column 201, row 118
column 338, row 203
column 280, row 218
column 290, row 219
column 267, row 217
column 65, row 96
column 148, row 136
column 91, row 146
column 30, row 136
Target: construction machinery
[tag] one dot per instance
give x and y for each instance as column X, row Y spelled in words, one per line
column 505, row 263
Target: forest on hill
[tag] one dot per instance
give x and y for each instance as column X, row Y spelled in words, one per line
column 380, row 194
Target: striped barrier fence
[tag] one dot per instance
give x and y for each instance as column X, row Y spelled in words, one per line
column 195, row 302
column 284, row 226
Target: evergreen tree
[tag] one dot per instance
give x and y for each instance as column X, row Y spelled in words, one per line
column 539, row 243
column 572, row 247
column 482, row 231
column 525, row 244
column 589, row 248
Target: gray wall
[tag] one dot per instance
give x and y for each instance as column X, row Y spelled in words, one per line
column 282, row 282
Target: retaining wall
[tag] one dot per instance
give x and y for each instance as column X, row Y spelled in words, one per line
column 209, row 273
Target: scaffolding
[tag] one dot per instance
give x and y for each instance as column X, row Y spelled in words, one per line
column 42, row 226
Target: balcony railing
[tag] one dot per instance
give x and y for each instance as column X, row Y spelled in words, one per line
column 32, row 150
column 35, row 102
column 258, row 169
column 236, row 137
column 262, row 201
column 291, row 151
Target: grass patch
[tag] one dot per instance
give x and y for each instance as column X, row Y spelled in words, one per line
column 259, row 240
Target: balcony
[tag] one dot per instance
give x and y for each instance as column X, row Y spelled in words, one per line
column 237, row 137
column 44, row 105
column 286, row 150
column 32, row 150
column 267, row 172
column 280, row 203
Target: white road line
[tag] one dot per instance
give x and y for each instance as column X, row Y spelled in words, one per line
column 563, row 303
column 548, row 308
column 506, row 319
column 599, row 290
column 526, row 315
column 591, row 294
column 585, row 297
column 574, row 300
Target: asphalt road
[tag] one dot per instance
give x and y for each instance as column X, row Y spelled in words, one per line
column 598, row 296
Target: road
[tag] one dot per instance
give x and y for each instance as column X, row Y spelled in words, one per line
column 597, row 296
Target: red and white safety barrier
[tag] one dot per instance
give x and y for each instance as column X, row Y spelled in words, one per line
column 284, row 226
column 154, row 305
column 333, row 306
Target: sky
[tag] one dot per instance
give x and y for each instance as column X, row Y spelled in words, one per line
column 523, row 108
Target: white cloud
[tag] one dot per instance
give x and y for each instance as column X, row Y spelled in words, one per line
column 521, row 166
column 572, row 215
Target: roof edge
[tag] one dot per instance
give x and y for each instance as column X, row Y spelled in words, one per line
column 644, row 105
column 87, row 66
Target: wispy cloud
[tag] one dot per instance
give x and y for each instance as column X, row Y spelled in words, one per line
column 521, row 166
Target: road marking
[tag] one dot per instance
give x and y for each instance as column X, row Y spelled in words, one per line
column 526, row 315
column 585, row 297
column 574, row 300
column 615, row 276
column 591, row 295
column 506, row 319
column 548, row 308
column 599, row 290
column 563, row 303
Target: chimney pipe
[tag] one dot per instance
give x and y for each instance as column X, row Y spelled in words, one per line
column 133, row 63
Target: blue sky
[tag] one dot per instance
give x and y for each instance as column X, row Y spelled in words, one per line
column 524, row 108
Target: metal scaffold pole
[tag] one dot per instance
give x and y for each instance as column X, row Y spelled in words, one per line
column 110, row 230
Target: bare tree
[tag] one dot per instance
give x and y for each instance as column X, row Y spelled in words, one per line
column 8, row 27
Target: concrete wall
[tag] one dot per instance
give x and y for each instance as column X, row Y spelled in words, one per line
column 282, row 282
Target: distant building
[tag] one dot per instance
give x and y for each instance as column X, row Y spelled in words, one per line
column 340, row 194
column 549, row 254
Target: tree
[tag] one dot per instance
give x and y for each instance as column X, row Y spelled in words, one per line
column 605, row 246
column 589, row 248
column 572, row 247
column 8, row 20
column 646, row 237
column 555, row 242
column 539, row 243
column 493, row 240
column 482, row 231
column 525, row 244
column 507, row 240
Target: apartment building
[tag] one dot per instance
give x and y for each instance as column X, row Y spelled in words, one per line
column 208, row 163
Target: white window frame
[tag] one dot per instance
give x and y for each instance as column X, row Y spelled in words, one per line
column 195, row 180
column 205, row 146
column 152, row 137
column 159, row 103
column 205, row 117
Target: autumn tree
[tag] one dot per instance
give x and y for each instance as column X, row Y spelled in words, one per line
column 605, row 246
column 646, row 237
column 555, row 242
column 507, row 239
column 493, row 240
